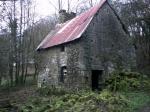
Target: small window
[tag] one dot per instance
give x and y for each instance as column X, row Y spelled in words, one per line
column 62, row 48
column 63, row 73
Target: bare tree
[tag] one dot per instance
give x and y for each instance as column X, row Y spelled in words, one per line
column 136, row 13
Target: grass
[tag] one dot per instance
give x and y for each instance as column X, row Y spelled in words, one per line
column 6, row 84
column 86, row 101
column 54, row 99
column 83, row 101
column 137, row 99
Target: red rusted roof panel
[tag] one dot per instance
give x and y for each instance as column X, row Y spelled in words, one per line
column 70, row 30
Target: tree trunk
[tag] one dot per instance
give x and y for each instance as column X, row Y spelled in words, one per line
column 0, row 81
column 26, row 72
column 22, row 68
column 11, row 73
column 21, row 44
column 36, row 71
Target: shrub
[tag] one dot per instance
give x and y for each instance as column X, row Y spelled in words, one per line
column 123, row 81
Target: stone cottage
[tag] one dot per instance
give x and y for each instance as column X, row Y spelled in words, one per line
column 82, row 51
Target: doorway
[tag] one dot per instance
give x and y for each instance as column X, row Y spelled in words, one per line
column 96, row 78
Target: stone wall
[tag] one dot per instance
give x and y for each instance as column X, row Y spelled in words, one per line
column 106, row 44
column 72, row 58
column 77, row 71
column 49, row 67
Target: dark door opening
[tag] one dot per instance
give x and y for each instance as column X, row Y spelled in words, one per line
column 96, row 78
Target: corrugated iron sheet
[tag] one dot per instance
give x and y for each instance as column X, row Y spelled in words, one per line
column 70, row 30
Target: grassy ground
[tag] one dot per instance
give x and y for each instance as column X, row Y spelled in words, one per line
column 137, row 99
column 49, row 99
column 86, row 101
column 29, row 99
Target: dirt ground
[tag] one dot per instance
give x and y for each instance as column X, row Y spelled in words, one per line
column 16, row 97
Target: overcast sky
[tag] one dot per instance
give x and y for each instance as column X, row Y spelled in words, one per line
column 43, row 8
column 47, row 7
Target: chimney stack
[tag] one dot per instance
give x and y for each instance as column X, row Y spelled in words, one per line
column 65, row 16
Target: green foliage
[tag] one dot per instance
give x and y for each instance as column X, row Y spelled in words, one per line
column 146, row 84
column 136, row 100
column 124, row 81
column 114, row 100
column 117, row 98
column 83, row 101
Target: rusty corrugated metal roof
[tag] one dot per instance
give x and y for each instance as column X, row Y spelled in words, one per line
column 70, row 30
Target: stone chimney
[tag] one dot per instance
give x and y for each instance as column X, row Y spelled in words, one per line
column 65, row 16
column 72, row 15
